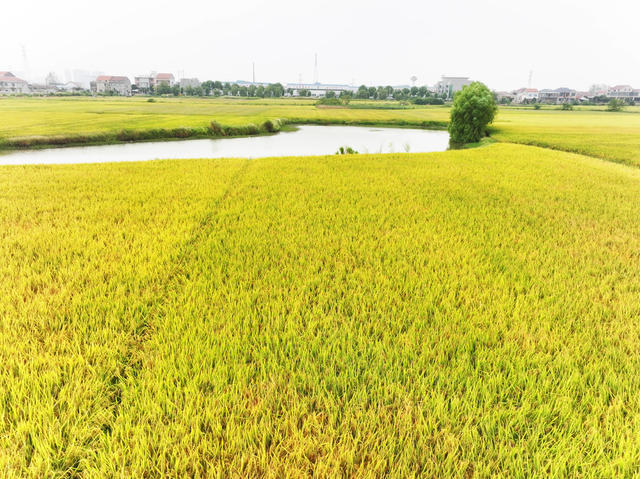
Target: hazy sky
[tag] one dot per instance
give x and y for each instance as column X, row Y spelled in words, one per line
column 565, row 43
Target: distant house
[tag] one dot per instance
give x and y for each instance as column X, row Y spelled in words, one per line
column 621, row 92
column 582, row 96
column 144, row 83
column 447, row 86
column 163, row 79
column 12, row 85
column 547, row 96
column 559, row 95
column 526, row 95
column 504, row 96
column 566, row 95
column 118, row 85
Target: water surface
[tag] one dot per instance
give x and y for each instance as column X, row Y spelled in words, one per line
column 307, row 140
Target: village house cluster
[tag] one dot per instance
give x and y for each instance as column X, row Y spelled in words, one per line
column 100, row 84
column 121, row 85
column 566, row 95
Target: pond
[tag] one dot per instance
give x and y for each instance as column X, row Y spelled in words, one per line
column 306, row 140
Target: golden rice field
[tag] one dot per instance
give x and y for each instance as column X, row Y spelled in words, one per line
column 589, row 131
column 472, row 313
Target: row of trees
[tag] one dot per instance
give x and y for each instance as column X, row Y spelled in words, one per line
column 276, row 90
column 386, row 92
column 216, row 88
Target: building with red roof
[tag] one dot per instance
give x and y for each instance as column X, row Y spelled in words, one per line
column 12, row 85
column 163, row 79
column 113, row 84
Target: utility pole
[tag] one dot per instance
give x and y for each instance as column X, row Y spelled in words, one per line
column 315, row 71
column 25, row 63
column 254, row 72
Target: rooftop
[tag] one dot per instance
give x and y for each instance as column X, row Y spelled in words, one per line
column 111, row 78
column 8, row 76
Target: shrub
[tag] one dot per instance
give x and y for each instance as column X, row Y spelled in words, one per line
column 333, row 101
column 151, row 100
column 182, row 132
column 272, row 126
column 346, row 150
column 566, row 107
column 473, row 109
column 615, row 105
column 536, row 106
column 428, row 101
column 216, row 129
column 252, row 129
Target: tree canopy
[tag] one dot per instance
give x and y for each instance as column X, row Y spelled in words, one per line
column 473, row 109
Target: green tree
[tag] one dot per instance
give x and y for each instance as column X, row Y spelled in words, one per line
column 207, row 86
column 330, row 94
column 615, row 105
column 274, row 90
column 473, row 109
column 372, row 93
column 163, row 89
column 363, row 92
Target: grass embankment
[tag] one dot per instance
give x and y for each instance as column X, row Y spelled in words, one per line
column 29, row 122
column 472, row 312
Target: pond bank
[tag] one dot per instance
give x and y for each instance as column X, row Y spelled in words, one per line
column 304, row 140
column 213, row 131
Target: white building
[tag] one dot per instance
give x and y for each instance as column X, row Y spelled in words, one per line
column 319, row 89
column 144, row 83
column 505, row 96
column 559, row 95
column 163, row 79
column 117, row 84
column 526, row 95
column 189, row 82
column 449, row 85
column 12, row 85
column 621, row 92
